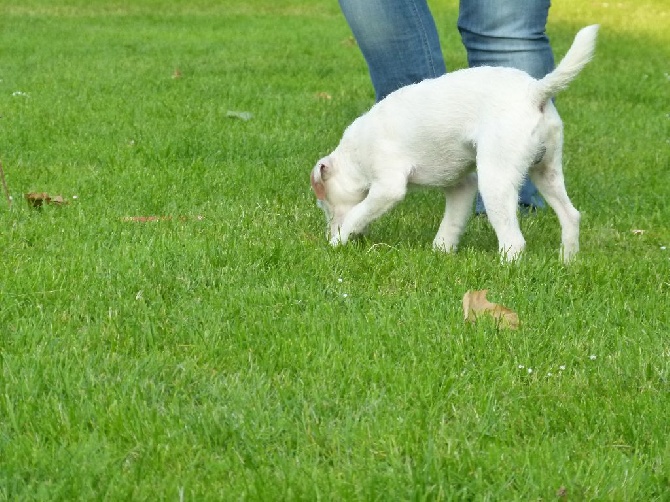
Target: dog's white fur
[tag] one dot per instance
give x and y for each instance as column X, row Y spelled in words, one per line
column 483, row 128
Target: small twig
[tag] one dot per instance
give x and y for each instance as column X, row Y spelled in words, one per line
column 4, row 185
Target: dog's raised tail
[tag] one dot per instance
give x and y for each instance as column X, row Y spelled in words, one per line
column 579, row 54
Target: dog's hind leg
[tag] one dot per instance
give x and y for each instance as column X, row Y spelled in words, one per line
column 548, row 178
column 500, row 177
column 459, row 203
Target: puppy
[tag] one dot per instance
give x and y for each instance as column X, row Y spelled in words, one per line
column 481, row 128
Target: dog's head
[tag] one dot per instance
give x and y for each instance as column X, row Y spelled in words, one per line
column 336, row 193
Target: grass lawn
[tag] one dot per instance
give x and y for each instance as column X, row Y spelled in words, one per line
column 224, row 351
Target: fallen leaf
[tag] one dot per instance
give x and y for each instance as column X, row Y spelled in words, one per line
column 37, row 199
column 562, row 492
column 324, row 95
column 476, row 304
column 239, row 115
column 176, row 73
column 637, row 231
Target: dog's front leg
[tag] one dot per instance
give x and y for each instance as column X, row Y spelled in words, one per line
column 380, row 199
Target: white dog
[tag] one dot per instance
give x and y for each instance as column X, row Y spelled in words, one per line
column 483, row 128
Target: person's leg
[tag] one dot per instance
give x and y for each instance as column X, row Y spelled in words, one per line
column 398, row 39
column 508, row 33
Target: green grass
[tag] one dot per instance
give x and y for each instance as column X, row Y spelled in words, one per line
column 229, row 353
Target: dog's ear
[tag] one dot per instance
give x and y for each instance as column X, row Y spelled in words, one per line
column 320, row 174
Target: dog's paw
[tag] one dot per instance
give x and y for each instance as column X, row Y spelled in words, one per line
column 511, row 254
column 336, row 241
column 568, row 254
column 444, row 246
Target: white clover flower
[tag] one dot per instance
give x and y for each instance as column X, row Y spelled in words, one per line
column 530, row 370
column 521, row 366
column 345, row 295
column 561, row 367
column 592, row 357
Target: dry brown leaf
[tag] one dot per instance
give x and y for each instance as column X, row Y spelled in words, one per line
column 324, row 96
column 475, row 304
column 176, row 74
column 37, row 199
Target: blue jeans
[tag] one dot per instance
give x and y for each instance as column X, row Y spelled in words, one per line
column 401, row 46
